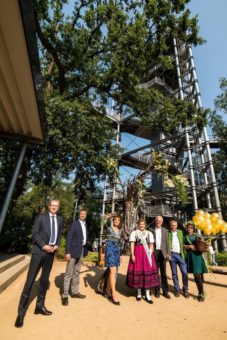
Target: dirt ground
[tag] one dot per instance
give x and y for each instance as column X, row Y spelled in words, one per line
column 96, row 318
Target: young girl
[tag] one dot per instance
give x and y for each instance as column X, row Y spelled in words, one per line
column 142, row 269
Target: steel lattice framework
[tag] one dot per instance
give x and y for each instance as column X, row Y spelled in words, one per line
column 189, row 151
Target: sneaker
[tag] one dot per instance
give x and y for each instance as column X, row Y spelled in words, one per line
column 176, row 293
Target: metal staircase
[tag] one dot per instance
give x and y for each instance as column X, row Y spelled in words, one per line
column 189, row 151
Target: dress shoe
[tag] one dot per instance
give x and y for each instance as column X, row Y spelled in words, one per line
column 166, row 295
column 116, row 303
column 19, row 321
column 78, row 296
column 186, row 294
column 138, row 298
column 201, row 298
column 176, row 294
column 42, row 311
column 149, row 301
column 157, row 294
column 65, row 301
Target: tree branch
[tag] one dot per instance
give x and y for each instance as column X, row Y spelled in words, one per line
column 45, row 42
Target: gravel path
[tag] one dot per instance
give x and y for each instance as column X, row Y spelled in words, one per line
column 96, row 318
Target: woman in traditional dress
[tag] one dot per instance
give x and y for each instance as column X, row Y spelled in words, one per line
column 194, row 260
column 112, row 258
column 142, row 268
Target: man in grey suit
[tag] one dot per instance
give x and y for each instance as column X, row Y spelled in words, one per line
column 75, row 251
column 161, row 253
column 46, row 237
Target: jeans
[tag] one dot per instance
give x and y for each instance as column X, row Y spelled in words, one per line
column 176, row 259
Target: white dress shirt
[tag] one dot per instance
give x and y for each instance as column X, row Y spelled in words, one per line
column 56, row 228
column 158, row 238
column 83, row 226
column 175, row 247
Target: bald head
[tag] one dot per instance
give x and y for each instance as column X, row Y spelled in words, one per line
column 158, row 221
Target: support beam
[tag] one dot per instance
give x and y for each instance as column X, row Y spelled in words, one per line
column 12, row 184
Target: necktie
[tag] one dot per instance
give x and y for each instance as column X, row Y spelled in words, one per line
column 52, row 237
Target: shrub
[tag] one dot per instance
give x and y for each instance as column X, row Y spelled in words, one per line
column 91, row 257
column 221, row 259
column 61, row 250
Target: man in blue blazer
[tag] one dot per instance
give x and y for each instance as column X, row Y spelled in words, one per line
column 46, row 237
column 75, row 251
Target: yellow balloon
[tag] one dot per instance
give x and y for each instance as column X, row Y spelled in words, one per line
column 199, row 213
column 207, row 215
column 195, row 219
column 216, row 229
column 208, row 229
column 223, row 228
column 202, row 225
column 214, row 217
column 219, row 224
column 201, row 219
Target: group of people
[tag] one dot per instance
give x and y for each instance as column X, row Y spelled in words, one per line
column 149, row 252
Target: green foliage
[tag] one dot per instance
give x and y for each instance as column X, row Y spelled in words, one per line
column 61, row 249
column 91, row 257
column 101, row 52
column 221, row 259
column 219, row 129
column 181, row 189
column 104, row 50
column 17, row 231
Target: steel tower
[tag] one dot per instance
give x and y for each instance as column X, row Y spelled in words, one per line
column 189, row 151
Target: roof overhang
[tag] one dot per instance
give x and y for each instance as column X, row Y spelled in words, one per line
column 21, row 102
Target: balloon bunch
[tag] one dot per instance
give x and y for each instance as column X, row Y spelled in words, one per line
column 209, row 223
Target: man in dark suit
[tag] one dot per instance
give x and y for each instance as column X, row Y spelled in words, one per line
column 75, row 251
column 161, row 252
column 46, row 236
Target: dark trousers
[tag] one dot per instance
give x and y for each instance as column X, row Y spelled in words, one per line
column 44, row 261
column 161, row 261
column 176, row 259
column 199, row 283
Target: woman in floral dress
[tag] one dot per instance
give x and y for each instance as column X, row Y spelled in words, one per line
column 112, row 258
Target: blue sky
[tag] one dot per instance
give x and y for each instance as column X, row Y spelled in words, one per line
column 211, row 58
